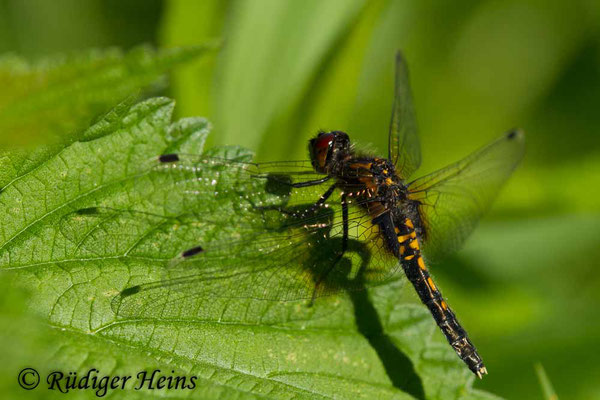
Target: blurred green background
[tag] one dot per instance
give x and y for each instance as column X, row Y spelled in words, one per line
column 526, row 286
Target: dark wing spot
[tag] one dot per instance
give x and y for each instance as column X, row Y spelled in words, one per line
column 513, row 134
column 192, row 252
column 168, row 158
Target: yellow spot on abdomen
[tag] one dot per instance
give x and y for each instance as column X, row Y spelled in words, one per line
column 404, row 238
column 409, row 223
column 421, row 264
column 408, row 258
column 431, row 284
column 444, row 305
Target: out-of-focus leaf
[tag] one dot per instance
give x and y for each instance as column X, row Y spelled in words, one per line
column 545, row 383
column 54, row 98
column 256, row 84
column 187, row 23
column 329, row 101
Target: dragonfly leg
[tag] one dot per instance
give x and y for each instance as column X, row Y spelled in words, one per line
column 311, row 183
column 325, row 273
column 307, row 211
column 279, row 179
column 321, row 201
column 285, row 180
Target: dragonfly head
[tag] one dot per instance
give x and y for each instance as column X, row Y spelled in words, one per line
column 327, row 149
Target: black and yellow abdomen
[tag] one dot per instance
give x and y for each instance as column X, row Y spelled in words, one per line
column 403, row 242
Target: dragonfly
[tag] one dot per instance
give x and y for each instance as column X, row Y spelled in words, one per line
column 342, row 220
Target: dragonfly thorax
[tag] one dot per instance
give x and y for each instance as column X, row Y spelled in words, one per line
column 368, row 180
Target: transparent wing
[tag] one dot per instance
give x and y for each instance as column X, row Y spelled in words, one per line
column 264, row 240
column 403, row 143
column 453, row 199
column 278, row 267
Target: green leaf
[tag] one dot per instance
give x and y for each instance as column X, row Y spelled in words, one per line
column 54, row 98
column 101, row 216
column 548, row 390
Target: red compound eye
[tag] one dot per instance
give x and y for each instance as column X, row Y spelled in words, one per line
column 324, row 141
